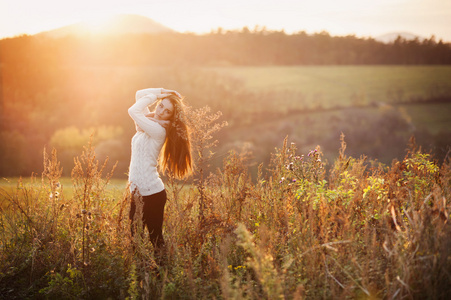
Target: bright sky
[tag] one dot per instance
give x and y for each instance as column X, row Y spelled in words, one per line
column 339, row 17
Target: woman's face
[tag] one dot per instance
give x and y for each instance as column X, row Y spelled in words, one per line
column 164, row 110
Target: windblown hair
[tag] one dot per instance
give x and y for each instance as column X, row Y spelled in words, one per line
column 175, row 155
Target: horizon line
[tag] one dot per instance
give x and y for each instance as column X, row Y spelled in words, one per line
column 251, row 29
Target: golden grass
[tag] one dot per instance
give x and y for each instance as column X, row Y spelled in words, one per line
column 359, row 230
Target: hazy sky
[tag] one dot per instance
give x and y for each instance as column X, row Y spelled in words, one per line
column 338, row 17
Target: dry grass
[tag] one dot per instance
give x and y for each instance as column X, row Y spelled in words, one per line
column 358, row 230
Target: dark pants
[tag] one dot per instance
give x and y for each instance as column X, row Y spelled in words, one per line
column 153, row 211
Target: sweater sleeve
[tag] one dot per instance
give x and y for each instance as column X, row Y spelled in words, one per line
column 145, row 92
column 137, row 113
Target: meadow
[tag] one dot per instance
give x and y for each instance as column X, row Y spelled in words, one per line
column 312, row 105
column 318, row 198
column 378, row 108
column 357, row 229
column 331, row 86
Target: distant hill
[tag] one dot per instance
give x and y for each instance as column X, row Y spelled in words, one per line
column 117, row 25
column 391, row 37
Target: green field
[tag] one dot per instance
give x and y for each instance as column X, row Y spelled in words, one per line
column 345, row 85
column 314, row 104
column 262, row 105
column 434, row 117
column 9, row 186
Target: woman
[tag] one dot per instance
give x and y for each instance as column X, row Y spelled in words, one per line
column 161, row 136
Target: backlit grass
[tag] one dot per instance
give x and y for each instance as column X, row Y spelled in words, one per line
column 357, row 229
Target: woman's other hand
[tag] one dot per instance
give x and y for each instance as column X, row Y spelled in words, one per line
column 163, row 95
column 165, row 91
column 163, row 123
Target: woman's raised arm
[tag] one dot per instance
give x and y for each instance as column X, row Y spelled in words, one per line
column 138, row 113
column 155, row 91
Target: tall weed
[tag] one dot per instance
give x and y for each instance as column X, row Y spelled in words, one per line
column 299, row 229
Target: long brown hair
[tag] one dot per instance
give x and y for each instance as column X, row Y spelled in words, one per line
column 175, row 155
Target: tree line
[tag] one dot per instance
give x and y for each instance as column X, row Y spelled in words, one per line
column 243, row 47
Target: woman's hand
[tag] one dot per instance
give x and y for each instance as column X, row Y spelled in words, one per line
column 163, row 95
column 163, row 123
column 150, row 116
column 165, row 91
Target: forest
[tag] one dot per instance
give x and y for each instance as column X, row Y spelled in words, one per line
column 244, row 47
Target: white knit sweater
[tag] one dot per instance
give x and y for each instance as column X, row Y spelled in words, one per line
column 146, row 146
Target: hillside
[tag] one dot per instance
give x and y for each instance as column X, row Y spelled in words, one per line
column 117, row 25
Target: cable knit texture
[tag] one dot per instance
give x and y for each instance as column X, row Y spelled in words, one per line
column 146, row 146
